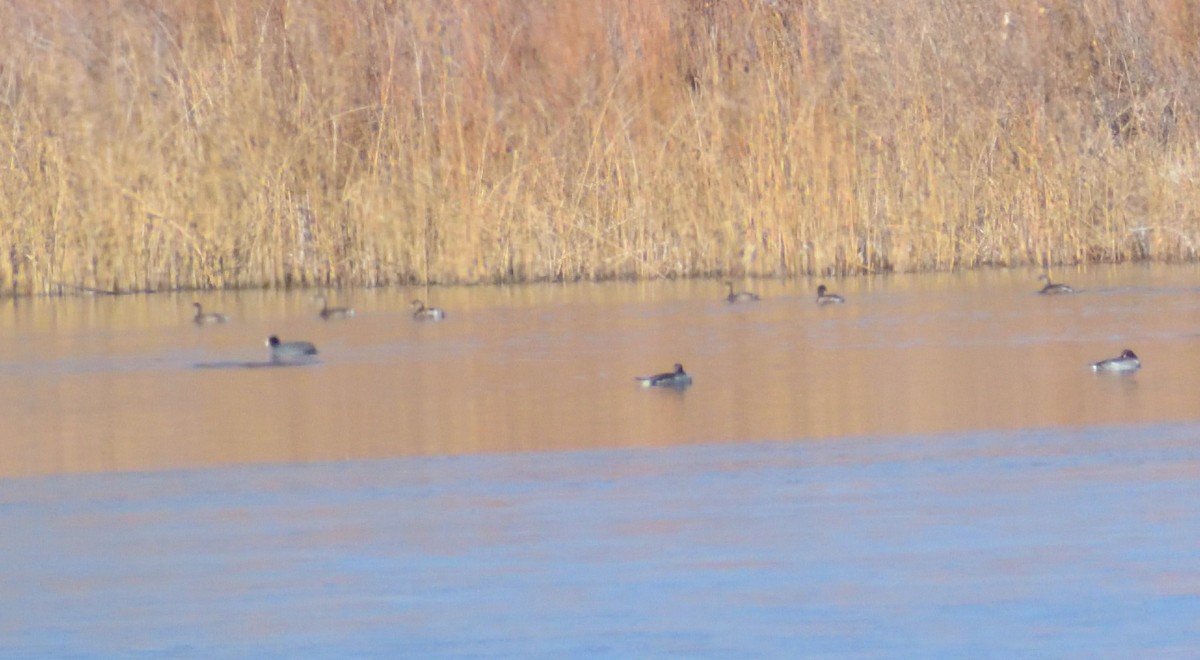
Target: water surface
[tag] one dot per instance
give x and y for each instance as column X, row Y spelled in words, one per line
column 1000, row 544
column 107, row 383
column 928, row 470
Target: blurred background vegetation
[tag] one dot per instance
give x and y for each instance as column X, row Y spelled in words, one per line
column 158, row 144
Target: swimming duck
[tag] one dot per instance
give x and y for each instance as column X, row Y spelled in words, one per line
column 677, row 378
column 205, row 319
column 1126, row 361
column 824, row 298
column 290, row 350
column 741, row 296
column 423, row 313
column 328, row 312
column 1052, row 288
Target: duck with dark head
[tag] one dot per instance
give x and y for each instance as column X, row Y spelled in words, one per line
column 203, row 318
column 677, row 378
column 290, row 351
column 328, row 313
column 1053, row 288
column 423, row 313
column 826, row 298
column 1126, row 361
column 740, row 296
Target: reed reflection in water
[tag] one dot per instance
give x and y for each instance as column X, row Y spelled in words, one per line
column 103, row 384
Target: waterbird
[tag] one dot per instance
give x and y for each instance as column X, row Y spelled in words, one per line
column 741, row 296
column 1126, row 361
column 328, row 312
column 205, row 319
column 677, row 378
column 1053, row 288
column 423, row 313
column 824, row 298
column 283, row 351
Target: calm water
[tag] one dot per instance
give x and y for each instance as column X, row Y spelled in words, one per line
column 943, row 475
column 110, row 384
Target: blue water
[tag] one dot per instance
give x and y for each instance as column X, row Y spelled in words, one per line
column 1042, row 543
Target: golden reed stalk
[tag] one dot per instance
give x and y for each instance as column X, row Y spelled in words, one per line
column 214, row 143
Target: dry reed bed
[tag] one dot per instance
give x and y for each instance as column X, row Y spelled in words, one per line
column 221, row 144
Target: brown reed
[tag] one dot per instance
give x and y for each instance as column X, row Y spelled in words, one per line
column 220, row 144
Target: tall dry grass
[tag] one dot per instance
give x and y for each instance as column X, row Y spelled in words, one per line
column 155, row 144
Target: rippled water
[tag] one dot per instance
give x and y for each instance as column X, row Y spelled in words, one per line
column 945, row 475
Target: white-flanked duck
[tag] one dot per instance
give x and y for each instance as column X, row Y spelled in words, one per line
column 329, row 313
column 740, row 296
column 285, row 351
column 202, row 318
column 1052, row 288
column 423, row 313
column 677, row 378
column 826, row 298
column 1126, row 361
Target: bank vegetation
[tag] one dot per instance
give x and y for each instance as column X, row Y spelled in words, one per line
column 153, row 144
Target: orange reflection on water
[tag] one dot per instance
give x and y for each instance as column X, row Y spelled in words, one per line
column 105, row 384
